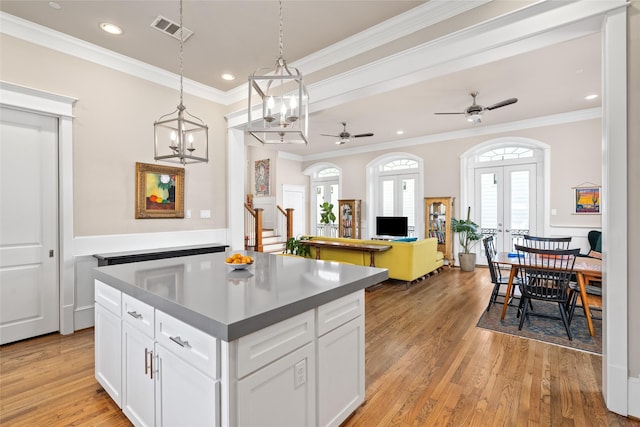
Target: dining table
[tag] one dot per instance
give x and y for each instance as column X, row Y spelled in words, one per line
column 586, row 269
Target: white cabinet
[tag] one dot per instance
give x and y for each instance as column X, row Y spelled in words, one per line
column 187, row 386
column 340, row 361
column 185, row 396
column 137, row 376
column 307, row 370
column 108, row 331
column 340, row 372
column 280, row 394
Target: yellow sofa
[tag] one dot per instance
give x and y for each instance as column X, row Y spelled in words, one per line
column 406, row 261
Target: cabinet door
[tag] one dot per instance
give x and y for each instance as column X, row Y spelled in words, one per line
column 340, row 372
column 137, row 376
column 107, row 331
column 185, row 396
column 280, row 394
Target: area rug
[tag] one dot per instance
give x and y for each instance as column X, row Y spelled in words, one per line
column 547, row 330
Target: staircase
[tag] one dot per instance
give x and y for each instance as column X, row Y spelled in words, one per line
column 261, row 239
column 272, row 242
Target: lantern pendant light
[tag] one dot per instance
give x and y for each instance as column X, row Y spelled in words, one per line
column 180, row 137
column 280, row 115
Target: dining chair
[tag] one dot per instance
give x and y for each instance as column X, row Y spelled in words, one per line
column 539, row 242
column 546, row 276
column 496, row 273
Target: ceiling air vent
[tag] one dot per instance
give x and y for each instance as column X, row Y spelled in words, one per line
column 171, row 28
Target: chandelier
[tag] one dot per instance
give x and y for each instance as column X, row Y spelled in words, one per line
column 180, row 137
column 282, row 117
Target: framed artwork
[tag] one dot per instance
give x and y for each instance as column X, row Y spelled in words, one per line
column 587, row 200
column 159, row 191
column 262, row 177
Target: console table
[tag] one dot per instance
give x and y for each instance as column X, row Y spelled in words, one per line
column 161, row 253
column 362, row 247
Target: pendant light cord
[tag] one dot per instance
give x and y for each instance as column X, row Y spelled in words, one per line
column 181, row 54
column 281, row 33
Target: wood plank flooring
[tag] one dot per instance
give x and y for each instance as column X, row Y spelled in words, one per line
column 426, row 365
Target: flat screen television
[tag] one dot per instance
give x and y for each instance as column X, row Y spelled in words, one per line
column 392, row 226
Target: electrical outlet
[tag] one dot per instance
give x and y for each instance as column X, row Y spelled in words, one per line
column 205, row 213
column 300, row 373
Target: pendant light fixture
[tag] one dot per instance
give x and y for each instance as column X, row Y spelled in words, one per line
column 281, row 117
column 180, row 137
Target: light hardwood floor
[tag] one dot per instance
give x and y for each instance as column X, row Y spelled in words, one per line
column 426, row 364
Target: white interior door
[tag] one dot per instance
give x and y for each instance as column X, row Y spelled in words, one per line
column 293, row 197
column 506, row 202
column 28, row 225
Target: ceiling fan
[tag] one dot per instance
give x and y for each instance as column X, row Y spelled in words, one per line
column 474, row 111
column 345, row 136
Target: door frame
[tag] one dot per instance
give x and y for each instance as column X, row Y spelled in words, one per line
column 60, row 107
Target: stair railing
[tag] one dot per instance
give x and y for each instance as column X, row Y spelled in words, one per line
column 253, row 228
column 285, row 220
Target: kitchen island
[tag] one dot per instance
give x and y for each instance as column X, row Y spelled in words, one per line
column 190, row 341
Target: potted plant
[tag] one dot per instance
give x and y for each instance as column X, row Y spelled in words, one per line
column 327, row 217
column 468, row 236
column 294, row 247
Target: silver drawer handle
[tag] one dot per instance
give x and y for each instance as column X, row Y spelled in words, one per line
column 179, row 341
column 134, row 314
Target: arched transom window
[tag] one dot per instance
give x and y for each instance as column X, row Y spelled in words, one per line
column 505, row 153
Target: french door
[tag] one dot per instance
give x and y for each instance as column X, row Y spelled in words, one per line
column 505, row 197
column 398, row 197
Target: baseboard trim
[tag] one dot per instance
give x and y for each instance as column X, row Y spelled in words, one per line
column 83, row 318
column 634, row 398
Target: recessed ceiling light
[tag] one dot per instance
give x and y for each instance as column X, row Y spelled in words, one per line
column 227, row 76
column 111, row 28
column 55, row 5
column 590, row 97
column 400, row 132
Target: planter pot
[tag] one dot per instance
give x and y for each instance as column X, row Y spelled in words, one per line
column 467, row 261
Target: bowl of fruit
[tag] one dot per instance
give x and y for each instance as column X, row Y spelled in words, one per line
column 238, row 261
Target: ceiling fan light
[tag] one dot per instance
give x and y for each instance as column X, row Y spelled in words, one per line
column 474, row 118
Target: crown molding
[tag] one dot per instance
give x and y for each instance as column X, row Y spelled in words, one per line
column 416, row 19
column 43, row 36
column 536, row 122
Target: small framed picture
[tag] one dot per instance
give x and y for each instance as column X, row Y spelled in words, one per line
column 159, row 191
column 587, row 200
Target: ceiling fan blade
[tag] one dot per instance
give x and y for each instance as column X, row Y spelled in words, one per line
column 502, row 103
column 451, row 113
column 334, row 136
column 361, row 135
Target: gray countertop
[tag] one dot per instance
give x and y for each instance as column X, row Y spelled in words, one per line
column 202, row 291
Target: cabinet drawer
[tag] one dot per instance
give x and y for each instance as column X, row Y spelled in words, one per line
column 266, row 345
column 138, row 314
column 108, row 297
column 191, row 344
column 339, row 312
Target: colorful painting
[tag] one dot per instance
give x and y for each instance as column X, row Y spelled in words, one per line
column 587, row 200
column 262, row 177
column 159, row 191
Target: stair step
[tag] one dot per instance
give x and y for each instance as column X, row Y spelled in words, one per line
column 276, row 247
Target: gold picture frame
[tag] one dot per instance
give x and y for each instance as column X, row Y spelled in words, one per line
column 159, row 191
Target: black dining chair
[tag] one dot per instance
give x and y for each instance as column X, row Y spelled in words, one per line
column 496, row 273
column 546, row 276
column 539, row 242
